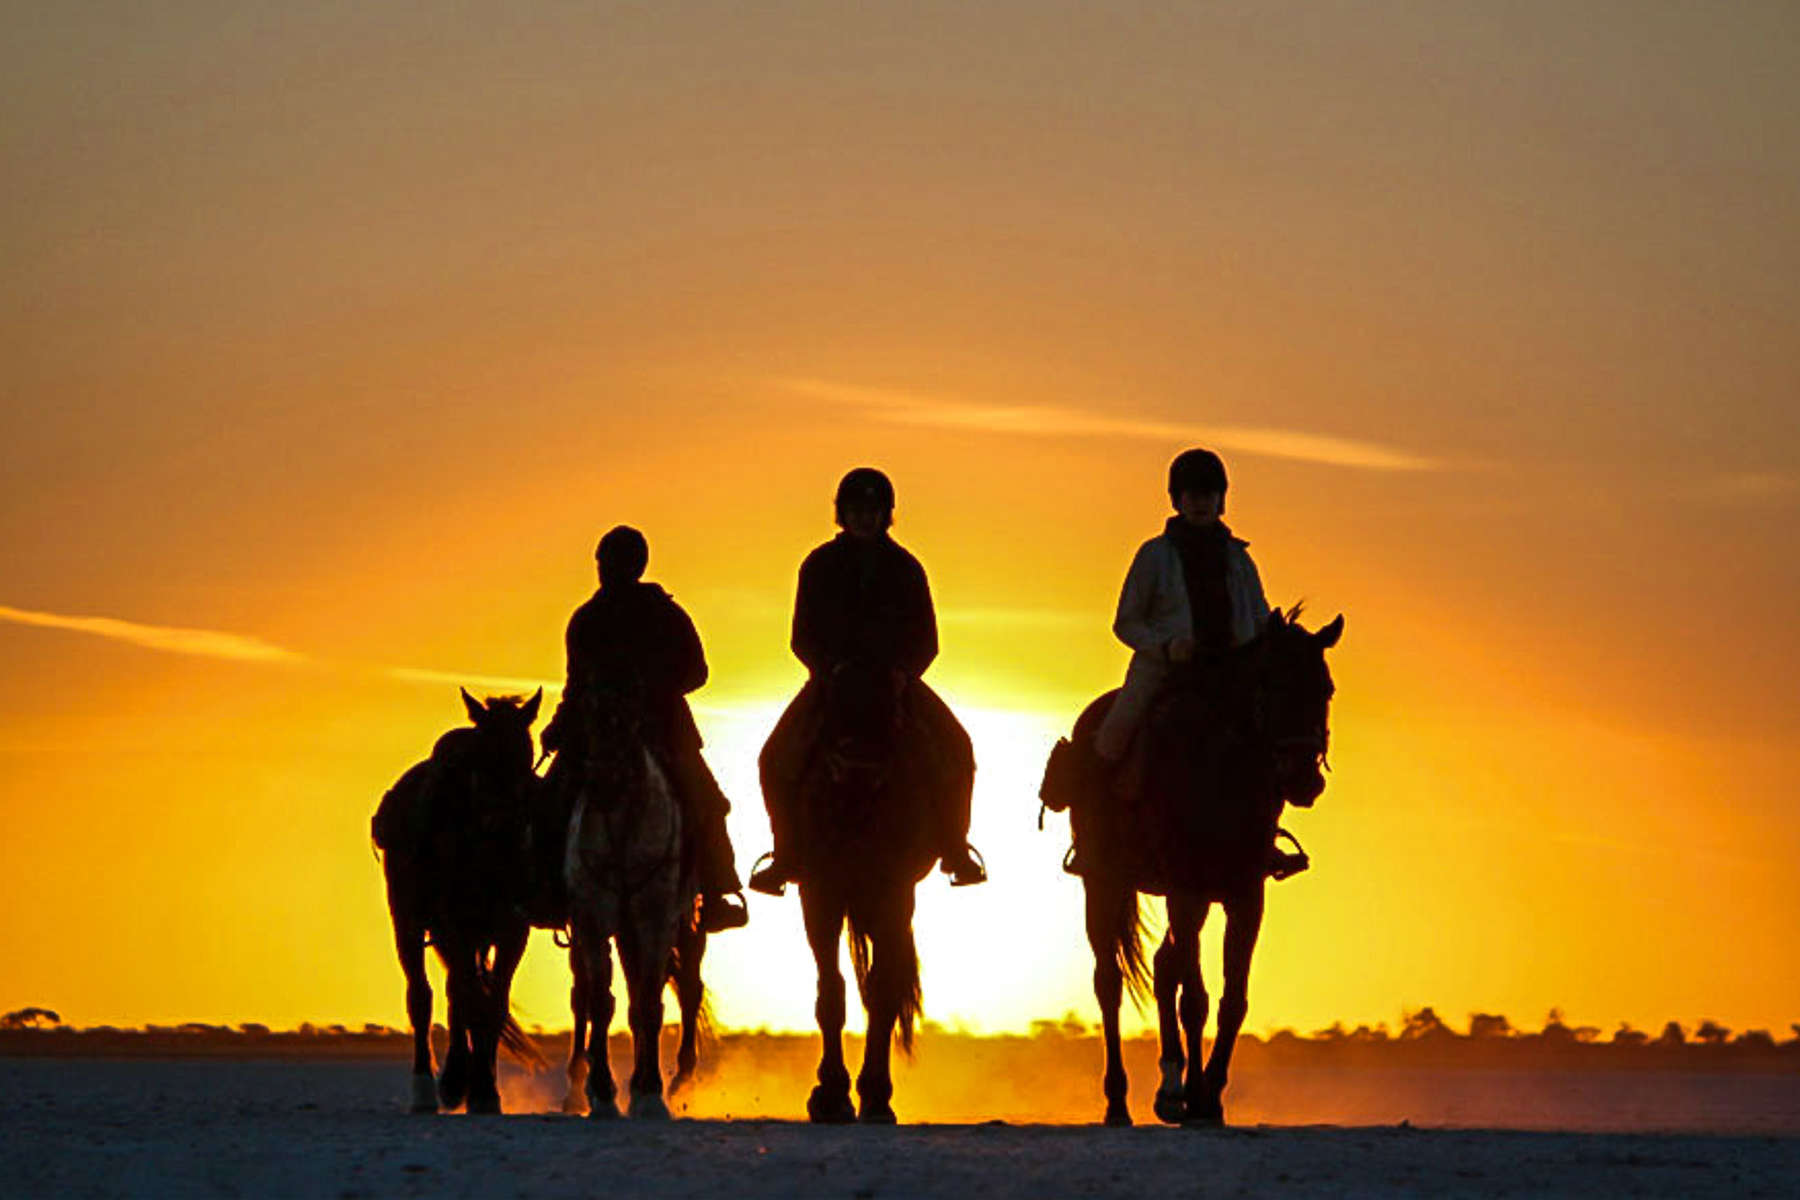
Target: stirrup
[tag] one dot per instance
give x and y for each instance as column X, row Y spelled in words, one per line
column 971, row 858
column 722, row 911
column 1282, row 864
column 766, row 879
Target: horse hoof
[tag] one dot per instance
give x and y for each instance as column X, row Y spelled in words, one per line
column 1205, row 1114
column 484, row 1106
column 682, row 1080
column 424, row 1094
column 1171, row 1107
column 829, row 1107
column 648, row 1106
column 602, row 1110
column 574, row 1104
column 877, row 1114
column 1118, row 1116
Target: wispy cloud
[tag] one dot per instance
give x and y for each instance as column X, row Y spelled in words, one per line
column 238, row 647
column 1753, row 487
column 205, row 643
column 1032, row 420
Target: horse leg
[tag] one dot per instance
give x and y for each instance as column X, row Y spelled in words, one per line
column 596, row 978
column 823, row 911
column 893, row 998
column 496, row 1013
column 1177, row 992
column 1187, row 915
column 409, row 941
column 645, row 956
column 1106, row 904
column 690, row 992
column 574, row 1100
column 459, row 984
column 1243, row 923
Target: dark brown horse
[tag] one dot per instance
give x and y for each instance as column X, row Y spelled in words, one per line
column 452, row 834
column 865, row 823
column 1225, row 753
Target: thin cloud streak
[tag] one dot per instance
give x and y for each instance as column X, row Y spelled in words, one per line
column 203, row 643
column 238, row 647
column 1052, row 421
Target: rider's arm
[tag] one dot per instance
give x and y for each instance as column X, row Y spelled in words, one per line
column 918, row 642
column 686, row 659
column 809, row 642
column 1132, row 625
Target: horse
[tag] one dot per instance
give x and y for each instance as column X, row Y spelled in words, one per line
column 628, row 881
column 595, row 1010
column 865, row 823
column 1223, row 758
column 451, row 835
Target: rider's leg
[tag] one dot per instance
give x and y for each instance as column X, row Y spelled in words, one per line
column 954, row 788
column 703, row 808
column 780, row 765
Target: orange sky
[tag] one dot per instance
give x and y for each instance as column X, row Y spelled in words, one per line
column 345, row 333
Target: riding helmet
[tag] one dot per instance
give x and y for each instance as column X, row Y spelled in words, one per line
column 865, row 487
column 1196, row 471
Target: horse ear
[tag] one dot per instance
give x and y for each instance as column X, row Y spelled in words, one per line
column 531, row 706
column 1274, row 622
column 476, row 711
column 1328, row 636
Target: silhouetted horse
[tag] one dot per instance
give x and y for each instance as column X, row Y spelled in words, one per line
column 865, row 822
column 594, row 1011
column 452, row 835
column 628, row 882
column 1224, row 755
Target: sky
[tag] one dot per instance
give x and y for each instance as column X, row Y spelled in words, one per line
column 336, row 334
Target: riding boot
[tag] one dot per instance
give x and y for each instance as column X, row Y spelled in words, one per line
column 962, row 863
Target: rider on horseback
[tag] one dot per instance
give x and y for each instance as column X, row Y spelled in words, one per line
column 634, row 634
column 863, row 602
column 1191, row 596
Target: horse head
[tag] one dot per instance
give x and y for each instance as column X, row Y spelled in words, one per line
column 1293, row 702
column 503, row 724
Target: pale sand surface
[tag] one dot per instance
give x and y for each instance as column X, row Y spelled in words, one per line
column 93, row 1127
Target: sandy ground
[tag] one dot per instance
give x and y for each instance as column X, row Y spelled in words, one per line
column 100, row 1128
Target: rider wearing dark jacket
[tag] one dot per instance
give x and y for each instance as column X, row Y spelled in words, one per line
column 863, row 601
column 634, row 634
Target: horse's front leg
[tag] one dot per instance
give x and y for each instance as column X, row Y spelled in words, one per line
column 461, row 1000
column 409, row 941
column 1243, row 924
column 595, row 980
column 823, row 911
column 496, row 1014
column 575, row 1099
column 1187, row 916
column 1179, row 997
column 690, row 992
column 644, row 954
column 1109, row 919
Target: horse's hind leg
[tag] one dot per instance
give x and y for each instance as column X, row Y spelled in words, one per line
column 1186, row 917
column 1107, row 912
column 893, row 988
column 409, row 941
column 495, row 986
column 690, row 993
column 574, row 1100
column 830, row 1100
column 1175, row 985
column 1243, row 924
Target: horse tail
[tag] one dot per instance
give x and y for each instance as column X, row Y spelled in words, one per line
column 909, row 998
column 518, row 1044
column 1125, row 941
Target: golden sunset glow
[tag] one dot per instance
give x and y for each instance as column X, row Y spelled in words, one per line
column 336, row 338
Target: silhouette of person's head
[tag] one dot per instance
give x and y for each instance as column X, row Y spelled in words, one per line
column 622, row 556
column 865, row 502
column 1197, row 485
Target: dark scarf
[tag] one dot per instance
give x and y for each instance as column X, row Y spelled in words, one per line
column 1204, row 562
